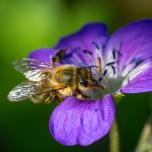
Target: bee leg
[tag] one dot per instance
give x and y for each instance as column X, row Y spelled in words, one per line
column 59, row 98
column 51, row 98
column 58, row 57
column 54, row 60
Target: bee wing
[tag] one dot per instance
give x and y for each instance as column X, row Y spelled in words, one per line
column 25, row 64
column 26, row 90
column 32, row 69
column 37, row 75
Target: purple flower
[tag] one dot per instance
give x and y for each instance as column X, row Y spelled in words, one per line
column 126, row 67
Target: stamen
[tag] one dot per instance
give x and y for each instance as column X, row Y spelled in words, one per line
column 133, row 60
column 105, row 72
column 96, row 110
column 114, row 54
column 114, row 70
column 99, row 65
column 134, row 63
column 103, row 75
column 89, row 55
column 110, row 63
column 96, row 45
column 138, row 62
column 87, row 52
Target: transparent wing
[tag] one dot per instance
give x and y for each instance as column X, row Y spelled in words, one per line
column 32, row 69
column 26, row 90
column 25, row 64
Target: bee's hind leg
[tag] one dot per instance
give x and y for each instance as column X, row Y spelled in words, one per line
column 53, row 97
column 50, row 98
column 59, row 98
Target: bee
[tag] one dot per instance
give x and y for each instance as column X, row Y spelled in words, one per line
column 47, row 83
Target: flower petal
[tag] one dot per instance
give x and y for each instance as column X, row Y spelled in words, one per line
column 82, row 122
column 87, row 43
column 140, row 82
column 133, row 46
column 43, row 54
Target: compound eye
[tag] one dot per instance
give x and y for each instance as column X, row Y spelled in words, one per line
column 84, row 82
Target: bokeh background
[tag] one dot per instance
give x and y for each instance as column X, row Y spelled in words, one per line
column 29, row 24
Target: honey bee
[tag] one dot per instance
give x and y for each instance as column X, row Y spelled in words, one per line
column 47, row 83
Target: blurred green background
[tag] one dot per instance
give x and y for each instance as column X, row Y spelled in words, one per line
column 29, row 24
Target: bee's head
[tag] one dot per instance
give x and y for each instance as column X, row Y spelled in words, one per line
column 85, row 77
column 88, row 86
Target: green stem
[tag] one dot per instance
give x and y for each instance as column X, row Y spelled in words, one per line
column 114, row 138
column 145, row 141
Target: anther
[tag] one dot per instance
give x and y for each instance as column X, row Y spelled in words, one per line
column 96, row 110
column 87, row 52
column 133, row 60
column 138, row 61
column 103, row 75
column 110, row 63
column 114, row 54
column 105, row 72
column 96, row 45
column 114, row 70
